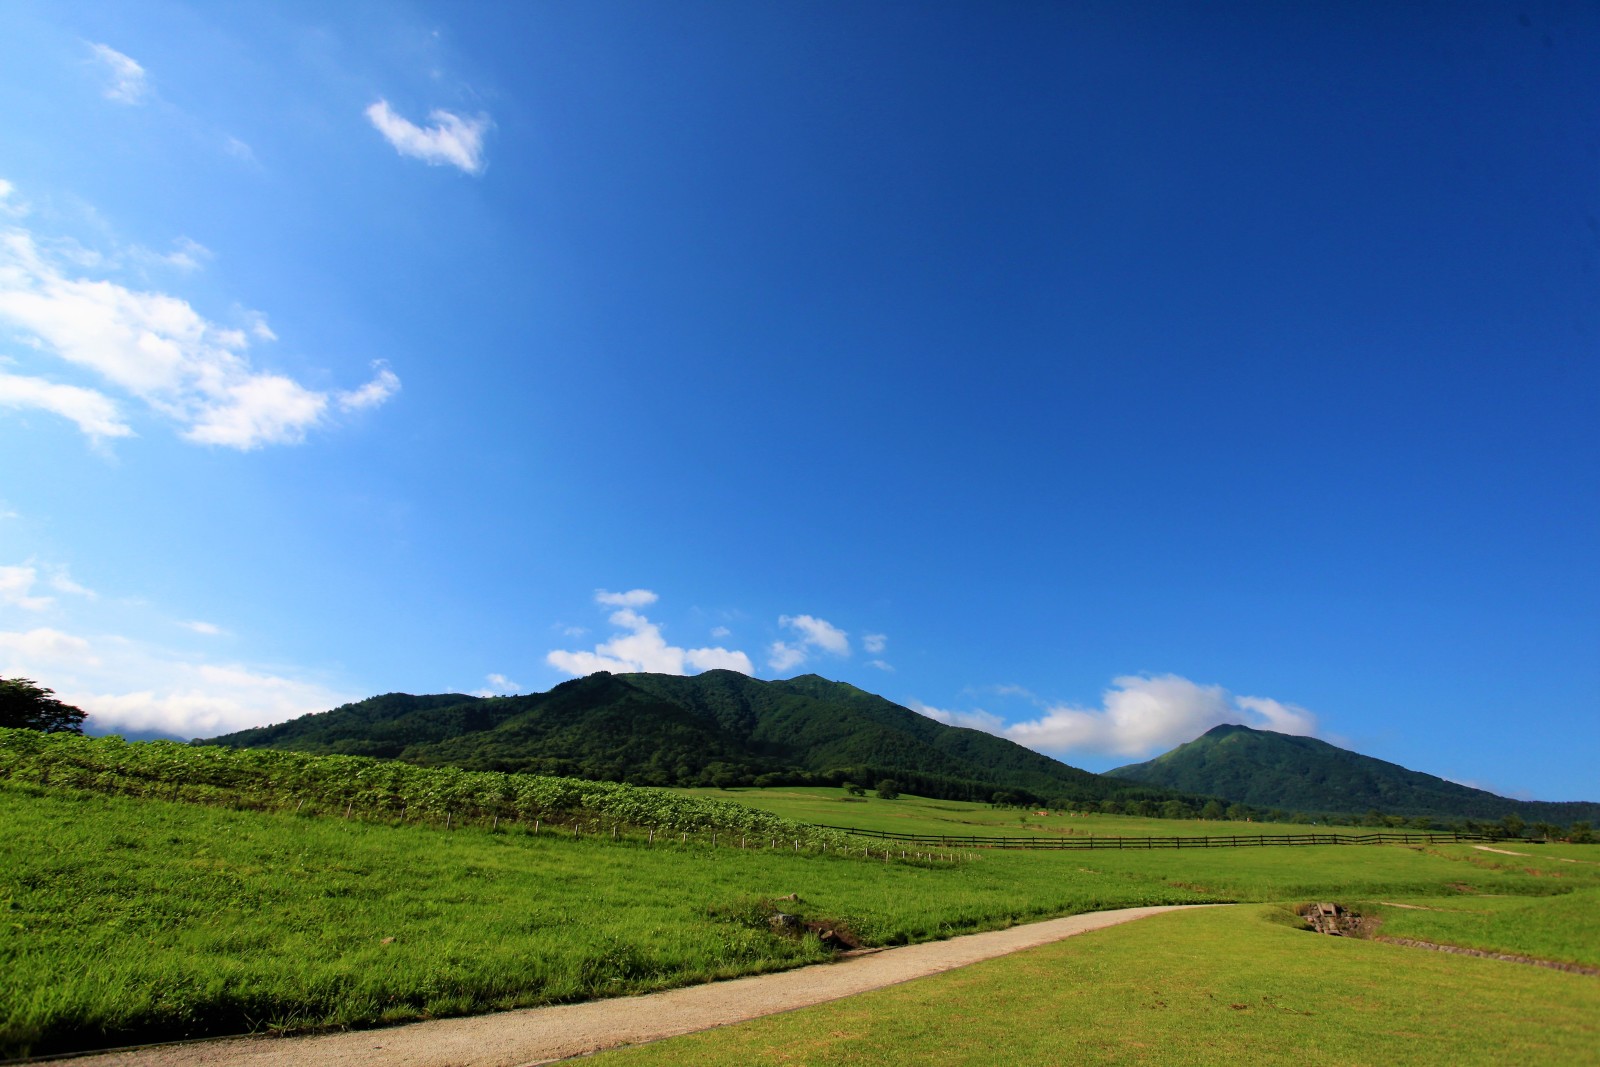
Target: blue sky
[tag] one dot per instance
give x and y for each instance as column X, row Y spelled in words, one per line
column 1089, row 373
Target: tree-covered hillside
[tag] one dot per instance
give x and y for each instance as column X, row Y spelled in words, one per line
column 716, row 728
column 1272, row 770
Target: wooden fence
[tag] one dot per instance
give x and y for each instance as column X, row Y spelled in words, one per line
column 1092, row 841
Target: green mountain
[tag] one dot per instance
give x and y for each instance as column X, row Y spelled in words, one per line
column 716, row 728
column 1272, row 770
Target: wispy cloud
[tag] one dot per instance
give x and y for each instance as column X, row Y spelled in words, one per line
column 782, row 656
column 33, row 652
column 199, row 626
column 812, row 635
column 450, row 139
column 127, row 82
column 128, row 683
column 238, row 149
column 16, row 589
column 639, row 645
column 633, row 598
column 95, row 414
column 155, row 348
column 187, row 255
column 498, row 685
column 1139, row 716
column 976, row 719
column 17, row 582
column 384, row 385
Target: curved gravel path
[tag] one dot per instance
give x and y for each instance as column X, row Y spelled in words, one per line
column 543, row 1035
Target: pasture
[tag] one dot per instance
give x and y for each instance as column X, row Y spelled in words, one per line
column 907, row 814
column 135, row 918
column 1225, row 986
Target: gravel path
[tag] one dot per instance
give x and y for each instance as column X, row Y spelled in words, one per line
column 543, row 1035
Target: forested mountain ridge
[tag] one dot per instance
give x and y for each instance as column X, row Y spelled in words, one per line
column 1273, row 770
column 715, row 728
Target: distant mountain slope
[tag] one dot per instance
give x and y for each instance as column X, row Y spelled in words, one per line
column 1272, row 770
column 719, row 727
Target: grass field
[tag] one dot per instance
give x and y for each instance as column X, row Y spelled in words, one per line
column 919, row 815
column 1563, row 928
column 1226, row 986
column 127, row 919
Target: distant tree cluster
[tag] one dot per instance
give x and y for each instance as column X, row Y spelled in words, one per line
column 27, row 705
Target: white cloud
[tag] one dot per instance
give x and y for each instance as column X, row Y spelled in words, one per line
column 62, row 582
column 238, row 149
column 972, row 720
column 128, row 83
column 201, row 700
column 1280, row 718
column 1141, row 716
column 498, row 685
column 10, row 205
column 42, row 645
column 881, row 665
column 16, row 589
column 95, row 413
column 375, row 392
column 134, row 685
column 209, row 629
column 818, row 633
column 259, row 409
column 633, row 598
column 815, row 635
column 719, row 632
column 186, row 255
column 639, row 646
column 158, row 349
column 257, row 325
column 782, row 656
column 450, row 139
column 874, row 643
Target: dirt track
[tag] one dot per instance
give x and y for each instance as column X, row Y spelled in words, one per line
column 543, row 1035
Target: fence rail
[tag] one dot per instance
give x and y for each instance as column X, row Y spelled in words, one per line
column 1093, row 841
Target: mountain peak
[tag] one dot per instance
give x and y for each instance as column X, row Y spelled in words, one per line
column 717, row 727
column 1223, row 729
column 1266, row 769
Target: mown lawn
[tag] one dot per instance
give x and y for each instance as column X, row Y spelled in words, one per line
column 1225, row 986
column 1563, row 928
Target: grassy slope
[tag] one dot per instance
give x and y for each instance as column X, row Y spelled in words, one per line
column 1230, row 986
column 919, row 815
column 134, row 919
column 1564, row 928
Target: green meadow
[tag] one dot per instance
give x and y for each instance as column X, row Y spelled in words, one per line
column 1228, row 986
column 1564, row 928
column 128, row 918
column 831, row 806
